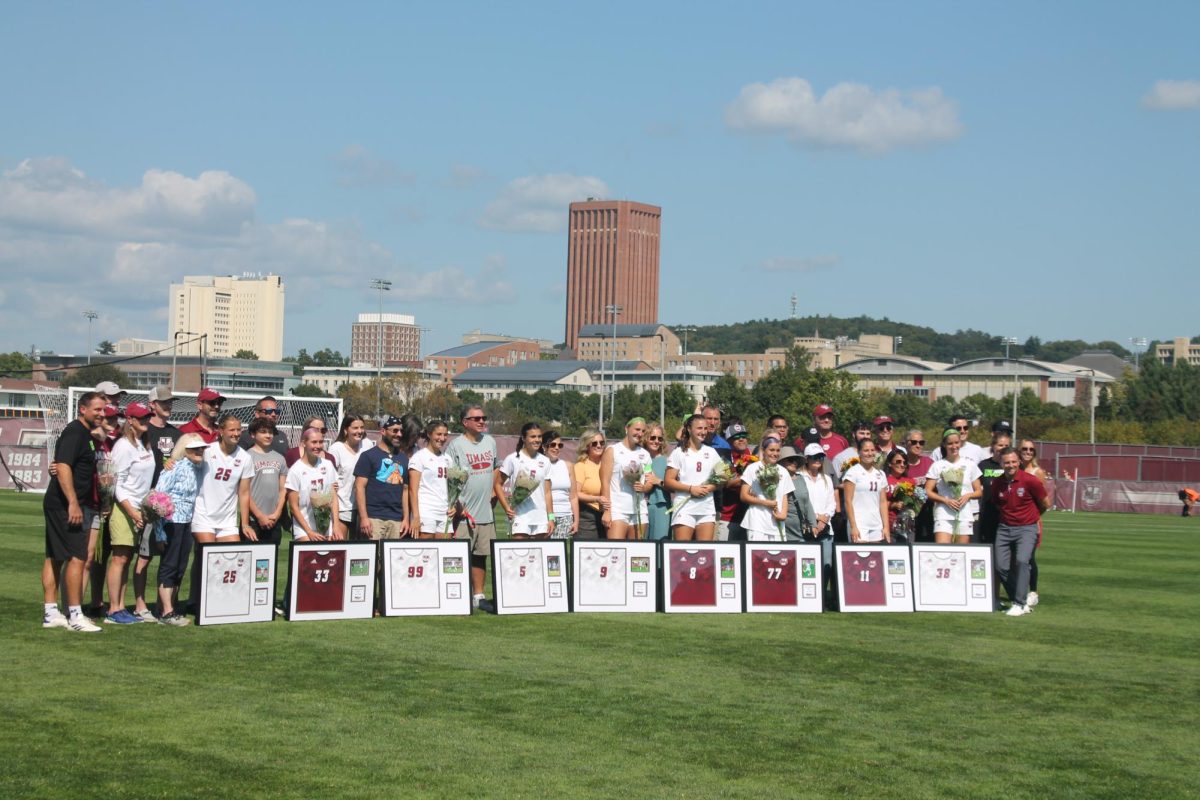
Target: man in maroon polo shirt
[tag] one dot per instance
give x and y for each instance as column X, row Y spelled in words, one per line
column 208, row 408
column 1020, row 498
column 832, row 443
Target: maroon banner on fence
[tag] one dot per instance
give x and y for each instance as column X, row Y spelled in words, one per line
column 1124, row 497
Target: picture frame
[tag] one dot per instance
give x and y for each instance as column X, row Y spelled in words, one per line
column 529, row 576
column 873, row 577
column 236, row 583
column 613, row 576
column 784, row 577
column 954, row 577
column 425, row 578
column 702, row 577
column 331, row 580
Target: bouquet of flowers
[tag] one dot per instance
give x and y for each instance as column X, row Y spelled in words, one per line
column 850, row 462
column 953, row 478
column 106, row 479
column 905, row 493
column 321, row 501
column 768, row 480
column 157, row 505
column 523, row 486
column 456, row 479
column 633, row 474
column 722, row 473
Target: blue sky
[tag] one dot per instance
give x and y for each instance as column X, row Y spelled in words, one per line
column 1021, row 168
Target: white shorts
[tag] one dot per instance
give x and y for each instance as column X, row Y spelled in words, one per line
column 434, row 525
column 682, row 517
column 871, row 536
column 965, row 524
column 220, row 528
column 524, row 528
column 631, row 518
column 760, row 536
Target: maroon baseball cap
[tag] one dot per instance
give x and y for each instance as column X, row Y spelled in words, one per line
column 137, row 411
column 884, row 421
column 111, row 411
column 822, row 410
column 210, row 395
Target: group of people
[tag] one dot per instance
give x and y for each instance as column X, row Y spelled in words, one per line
column 226, row 483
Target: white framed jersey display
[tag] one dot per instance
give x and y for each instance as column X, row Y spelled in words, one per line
column 702, row 577
column 953, row 577
column 529, row 576
column 236, row 583
column 873, row 577
column 332, row 580
column 614, row 575
column 426, row 578
column 784, row 577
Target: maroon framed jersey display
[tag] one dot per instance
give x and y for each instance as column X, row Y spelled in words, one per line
column 873, row 577
column 332, row 580
column 783, row 577
column 703, row 577
column 236, row 583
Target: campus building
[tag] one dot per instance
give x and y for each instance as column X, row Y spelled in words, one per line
column 650, row 343
column 394, row 337
column 453, row 362
column 234, row 313
column 1180, row 351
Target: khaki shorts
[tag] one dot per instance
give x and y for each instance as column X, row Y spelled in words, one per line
column 481, row 537
column 120, row 529
column 385, row 529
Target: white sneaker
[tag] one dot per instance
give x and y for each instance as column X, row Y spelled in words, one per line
column 54, row 619
column 1032, row 599
column 82, row 624
column 1017, row 610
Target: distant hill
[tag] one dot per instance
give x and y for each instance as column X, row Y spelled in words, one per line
column 919, row 341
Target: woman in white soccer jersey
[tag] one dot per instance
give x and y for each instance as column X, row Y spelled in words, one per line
column 563, row 492
column 345, row 451
column 531, row 518
column 864, row 487
column 428, row 494
column 953, row 485
column 311, row 481
column 689, row 468
column 766, row 510
column 225, row 488
column 625, row 477
column 133, row 466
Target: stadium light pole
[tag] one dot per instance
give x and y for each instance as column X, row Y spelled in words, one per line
column 380, row 285
column 662, row 379
column 1008, row 342
column 686, row 330
column 91, row 316
column 615, row 310
column 1139, row 343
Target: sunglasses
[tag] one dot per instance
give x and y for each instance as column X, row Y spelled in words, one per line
column 962, row 428
column 475, row 419
column 887, row 426
column 916, row 441
column 269, row 410
column 595, row 444
column 1028, row 449
column 554, row 446
column 654, row 438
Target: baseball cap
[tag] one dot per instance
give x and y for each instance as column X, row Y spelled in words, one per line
column 786, row 452
column 1001, row 426
column 881, row 420
column 137, row 411
column 210, row 395
column 822, row 410
column 814, row 450
column 109, row 388
column 193, row 441
column 160, row 394
column 810, row 436
column 736, row 431
column 111, row 411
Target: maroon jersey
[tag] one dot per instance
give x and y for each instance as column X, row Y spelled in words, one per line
column 773, row 578
column 862, row 574
column 321, row 585
column 693, row 578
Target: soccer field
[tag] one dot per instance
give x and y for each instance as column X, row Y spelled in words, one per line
column 1092, row 695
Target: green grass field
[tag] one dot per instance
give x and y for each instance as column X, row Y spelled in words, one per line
column 1093, row 695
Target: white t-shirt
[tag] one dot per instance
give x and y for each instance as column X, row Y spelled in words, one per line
column 560, row 486
column 821, row 493
column 346, row 460
column 217, row 502
column 133, row 465
column 868, row 486
column 758, row 518
column 968, row 450
column 305, row 480
column 620, row 493
column 433, row 496
column 971, row 474
column 533, row 510
column 694, row 467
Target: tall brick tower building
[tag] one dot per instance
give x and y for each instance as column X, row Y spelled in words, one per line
column 612, row 258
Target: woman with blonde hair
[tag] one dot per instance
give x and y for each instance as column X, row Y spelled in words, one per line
column 626, row 475
column 953, row 485
column 181, row 482
column 133, row 466
column 588, row 487
column 1027, row 452
column 658, row 501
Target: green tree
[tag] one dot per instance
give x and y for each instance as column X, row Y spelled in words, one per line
column 106, row 348
column 309, row 390
column 246, row 354
column 15, row 365
column 94, row 374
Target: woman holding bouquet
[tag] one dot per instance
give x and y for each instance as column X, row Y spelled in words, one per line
column 563, row 493
column 345, row 451
column 133, row 466
column 312, row 484
column 588, row 486
column 527, row 472
column 428, row 490
column 765, row 489
column 181, row 482
column 689, row 474
column 658, row 501
column 953, row 485
column 896, row 470
column 626, row 474
column 865, row 490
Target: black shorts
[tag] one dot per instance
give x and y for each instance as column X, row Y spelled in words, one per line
column 63, row 540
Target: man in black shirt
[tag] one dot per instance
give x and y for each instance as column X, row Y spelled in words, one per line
column 69, row 506
column 266, row 408
column 989, row 515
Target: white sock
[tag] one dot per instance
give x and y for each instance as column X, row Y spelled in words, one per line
column 49, row 608
column 75, row 611
column 480, row 596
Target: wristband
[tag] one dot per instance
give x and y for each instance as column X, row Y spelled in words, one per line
column 550, row 517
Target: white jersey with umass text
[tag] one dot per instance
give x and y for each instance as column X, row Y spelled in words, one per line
column 621, row 491
column 217, row 502
column 433, row 497
column 227, row 585
column 415, row 581
column 305, row 480
column 521, row 577
column 694, row 467
column 943, row 578
column 869, row 484
column 758, row 519
column 533, row 511
column 602, row 573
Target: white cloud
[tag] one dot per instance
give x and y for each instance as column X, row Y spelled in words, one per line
column 360, row 168
column 848, row 115
column 539, row 203
column 802, row 264
column 1173, row 96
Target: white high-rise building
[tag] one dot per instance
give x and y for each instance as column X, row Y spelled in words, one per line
column 237, row 312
